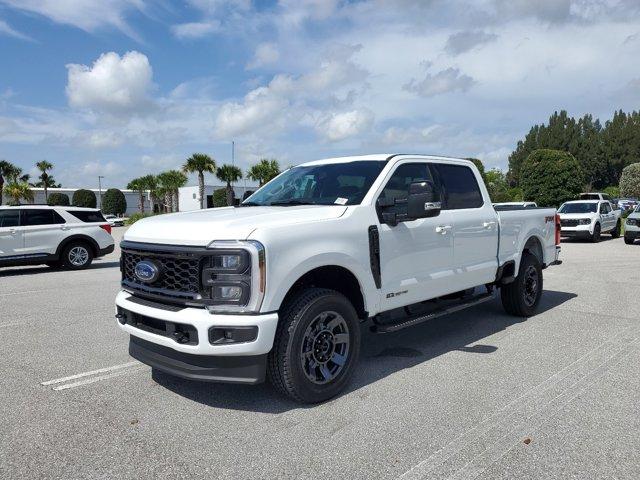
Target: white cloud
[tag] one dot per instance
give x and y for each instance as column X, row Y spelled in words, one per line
column 444, row 81
column 266, row 54
column 113, row 84
column 195, row 29
column 88, row 15
column 99, row 168
column 6, row 29
column 340, row 126
column 465, row 41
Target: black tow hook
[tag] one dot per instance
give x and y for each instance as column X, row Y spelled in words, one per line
column 121, row 318
column 180, row 337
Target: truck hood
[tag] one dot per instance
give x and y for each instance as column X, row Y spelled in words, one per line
column 201, row 227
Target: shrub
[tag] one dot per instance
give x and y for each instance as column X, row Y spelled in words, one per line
column 59, row 199
column 612, row 191
column 220, row 197
column 84, row 198
column 630, row 181
column 138, row 216
column 550, row 177
column 114, row 202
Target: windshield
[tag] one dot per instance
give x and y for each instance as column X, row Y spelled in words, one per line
column 578, row 208
column 343, row 183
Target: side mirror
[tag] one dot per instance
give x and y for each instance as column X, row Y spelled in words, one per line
column 423, row 201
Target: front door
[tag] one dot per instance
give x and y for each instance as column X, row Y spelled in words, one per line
column 11, row 238
column 416, row 257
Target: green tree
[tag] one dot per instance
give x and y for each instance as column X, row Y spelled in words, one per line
column 630, row 181
column 17, row 191
column 497, row 185
column 84, row 198
column 44, row 177
column 220, row 197
column 57, row 198
column 229, row 174
column 264, row 171
column 200, row 163
column 141, row 185
column 7, row 170
column 114, row 202
column 550, row 177
column 170, row 181
column 613, row 191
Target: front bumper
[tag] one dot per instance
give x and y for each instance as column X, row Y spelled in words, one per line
column 202, row 321
column 633, row 232
column 576, row 232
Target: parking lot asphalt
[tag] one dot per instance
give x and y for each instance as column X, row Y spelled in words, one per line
column 478, row 394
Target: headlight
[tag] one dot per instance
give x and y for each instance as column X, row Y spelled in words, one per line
column 632, row 221
column 585, row 221
column 235, row 276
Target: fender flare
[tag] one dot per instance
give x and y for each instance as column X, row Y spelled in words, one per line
column 78, row 237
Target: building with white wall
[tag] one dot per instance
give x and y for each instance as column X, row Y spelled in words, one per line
column 131, row 196
column 189, row 197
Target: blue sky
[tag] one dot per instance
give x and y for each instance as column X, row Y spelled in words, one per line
column 122, row 88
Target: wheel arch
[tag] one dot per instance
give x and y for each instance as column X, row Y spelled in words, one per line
column 95, row 248
column 334, row 277
column 533, row 245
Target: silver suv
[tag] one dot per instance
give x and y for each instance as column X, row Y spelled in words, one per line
column 61, row 237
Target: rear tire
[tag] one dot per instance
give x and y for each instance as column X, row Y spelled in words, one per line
column 522, row 296
column 316, row 346
column 615, row 233
column 595, row 238
column 77, row 256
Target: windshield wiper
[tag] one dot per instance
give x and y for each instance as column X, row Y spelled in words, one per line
column 292, row 202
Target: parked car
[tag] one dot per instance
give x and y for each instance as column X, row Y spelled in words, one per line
column 114, row 221
column 595, row 196
column 632, row 227
column 280, row 286
column 68, row 237
column 508, row 205
column 589, row 219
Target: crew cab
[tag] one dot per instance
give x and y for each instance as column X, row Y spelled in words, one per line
column 588, row 219
column 60, row 237
column 282, row 285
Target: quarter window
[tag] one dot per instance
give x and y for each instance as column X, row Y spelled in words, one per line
column 32, row 217
column 459, row 187
column 87, row 216
column 9, row 218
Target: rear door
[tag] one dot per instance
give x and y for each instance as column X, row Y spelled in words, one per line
column 474, row 226
column 44, row 230
column 11, row 237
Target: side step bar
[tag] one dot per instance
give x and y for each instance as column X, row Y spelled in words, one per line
column 411, row 321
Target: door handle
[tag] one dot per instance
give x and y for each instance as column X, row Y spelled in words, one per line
column 64, row 228
column 443, row 229
column 13, row 231
column 488, row 225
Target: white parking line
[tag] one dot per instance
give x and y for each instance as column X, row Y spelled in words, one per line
column 99, row 378
column 92, row 372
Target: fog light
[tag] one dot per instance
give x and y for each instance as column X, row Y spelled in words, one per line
column 229, row 292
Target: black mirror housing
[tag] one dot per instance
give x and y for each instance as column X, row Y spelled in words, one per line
column 423, row 201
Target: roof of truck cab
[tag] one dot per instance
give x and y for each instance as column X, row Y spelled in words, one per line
column 380, row 157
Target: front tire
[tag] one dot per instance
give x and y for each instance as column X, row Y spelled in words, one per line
column 77, row 256
column 595, row 238
column 522, row 296
column 628, row 240
column 316, row 347
column 615, row 233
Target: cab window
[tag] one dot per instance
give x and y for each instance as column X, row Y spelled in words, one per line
column 459, row 187
column 397, row 186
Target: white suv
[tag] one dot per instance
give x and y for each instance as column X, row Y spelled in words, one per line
column 69, row 237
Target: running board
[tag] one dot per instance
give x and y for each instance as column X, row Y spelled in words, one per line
column 411, row 321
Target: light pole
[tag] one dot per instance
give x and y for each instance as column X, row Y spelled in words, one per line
column 100, row 177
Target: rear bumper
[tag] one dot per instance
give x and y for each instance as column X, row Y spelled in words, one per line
column 107, row 250
column 205, row 368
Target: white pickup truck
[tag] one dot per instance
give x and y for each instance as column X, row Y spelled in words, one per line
column 281, row 285
column 588, row 219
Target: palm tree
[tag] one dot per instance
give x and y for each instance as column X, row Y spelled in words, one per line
column 170, row 182
column 264, row 171
column 153, row 184
column 229, row 174
column 138, row 185
column 18, row 191
column 6, row 170
column 200, row 162
column 44, row 177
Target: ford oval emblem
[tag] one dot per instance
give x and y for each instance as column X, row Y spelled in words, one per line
column 147, row 271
